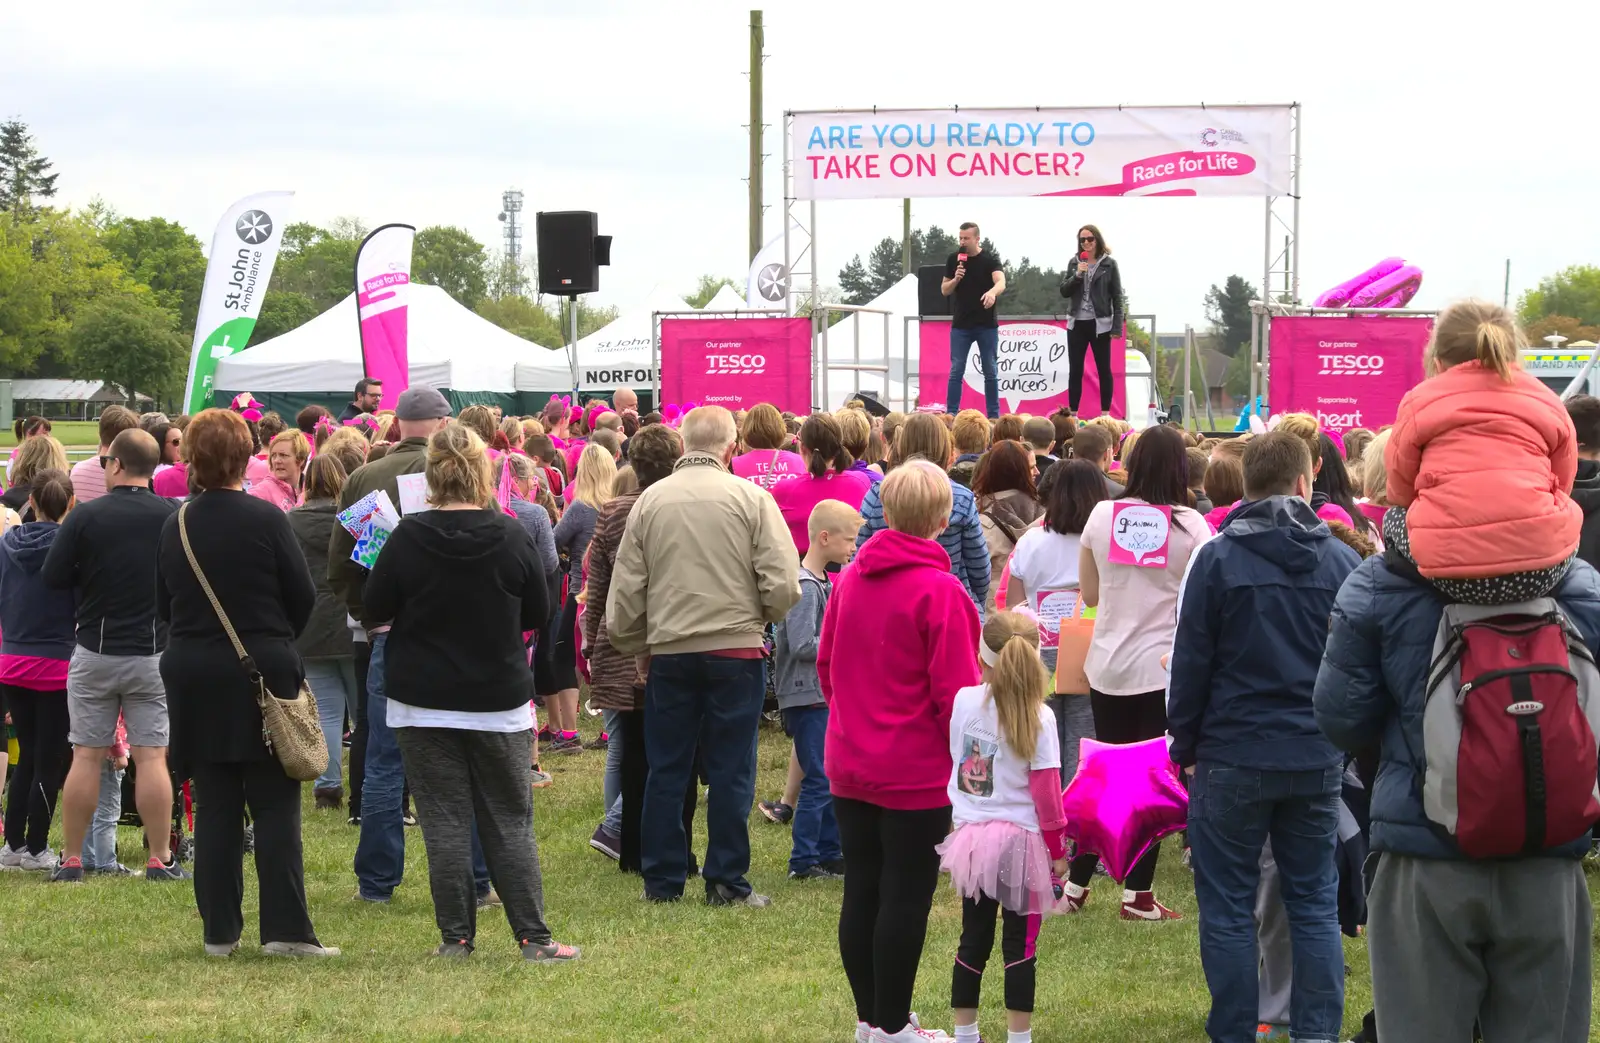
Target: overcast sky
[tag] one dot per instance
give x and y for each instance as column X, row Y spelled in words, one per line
column 1430, row 131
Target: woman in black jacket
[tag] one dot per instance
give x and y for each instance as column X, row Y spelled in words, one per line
column 248, row 554
column 1093, row 289
column 462, row 584
column 326, row 647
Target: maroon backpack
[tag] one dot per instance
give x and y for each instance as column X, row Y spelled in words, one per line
column 1512, row 712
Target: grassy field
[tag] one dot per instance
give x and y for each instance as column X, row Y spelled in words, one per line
column 74, row 434
column 122, row 958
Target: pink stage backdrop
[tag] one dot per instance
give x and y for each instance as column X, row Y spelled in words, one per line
column 1033, row 369
column 737, row 362
column 1347, row 371
column 383, row 277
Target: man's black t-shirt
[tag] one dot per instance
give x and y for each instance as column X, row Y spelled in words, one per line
column 966, row 306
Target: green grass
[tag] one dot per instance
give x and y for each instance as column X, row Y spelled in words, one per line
column 74, row 434
column 122, row 958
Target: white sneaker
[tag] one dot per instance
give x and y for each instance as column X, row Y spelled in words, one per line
column 912, row 1033
column 223, row 951
column 11, row 857
column 45, row 861
column 297, row 949
column 863, row 1032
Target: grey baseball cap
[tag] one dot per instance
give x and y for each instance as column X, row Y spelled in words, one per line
column 421, row 403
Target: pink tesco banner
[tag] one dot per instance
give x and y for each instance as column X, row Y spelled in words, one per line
column 383, row 279
column 1346, row 370
column 1033, row 364
column 737, row 363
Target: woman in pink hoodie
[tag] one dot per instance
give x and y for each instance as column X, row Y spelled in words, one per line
column 898, row 641
column 287, row 459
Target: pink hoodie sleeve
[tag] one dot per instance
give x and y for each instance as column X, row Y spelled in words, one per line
column 1045, row 786
column 952, row 641
column 825, row 640
column 1564, row 454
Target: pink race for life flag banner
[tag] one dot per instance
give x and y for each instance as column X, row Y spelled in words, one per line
column 1172, row 151
column 1033, row 364
column 1347, row 371
column 383, row 278
column 737, row 363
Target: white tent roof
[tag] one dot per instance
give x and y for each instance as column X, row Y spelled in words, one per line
column 616, row 355
column 900, row 300
column 449, row 346
column 727, row 299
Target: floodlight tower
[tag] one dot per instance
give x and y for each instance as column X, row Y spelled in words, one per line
column 510, row 207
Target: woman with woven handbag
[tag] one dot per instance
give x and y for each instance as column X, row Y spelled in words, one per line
column 235, row 589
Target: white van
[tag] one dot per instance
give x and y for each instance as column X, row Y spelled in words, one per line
column 1556, row 368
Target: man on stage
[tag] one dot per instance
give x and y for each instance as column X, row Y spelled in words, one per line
column 973, row 279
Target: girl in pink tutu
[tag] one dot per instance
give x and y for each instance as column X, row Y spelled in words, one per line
column 1005, row 795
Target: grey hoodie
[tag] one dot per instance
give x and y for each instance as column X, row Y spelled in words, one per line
column 796, row 645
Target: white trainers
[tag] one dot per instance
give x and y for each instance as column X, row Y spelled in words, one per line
column 11, row 857
column 863, row 1032
column 297, row 949
column 45, row 861
column 222, row 951
column 912, row 1033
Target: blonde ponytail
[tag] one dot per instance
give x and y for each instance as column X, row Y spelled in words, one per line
column 1018, row 682
column 1476, row 331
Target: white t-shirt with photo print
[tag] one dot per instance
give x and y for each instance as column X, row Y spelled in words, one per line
column 989, row 781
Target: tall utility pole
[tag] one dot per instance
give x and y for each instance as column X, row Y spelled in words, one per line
column 757, row 39
column 905, row 238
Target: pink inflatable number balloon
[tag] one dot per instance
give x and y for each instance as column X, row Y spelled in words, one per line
column 1123, row 799
column 1394, row 290
column 1340, row 295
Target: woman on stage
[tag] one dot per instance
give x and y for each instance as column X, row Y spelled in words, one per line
column 1093, row 289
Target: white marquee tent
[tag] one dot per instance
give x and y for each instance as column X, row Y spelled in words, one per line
column 616, row 355
column 451, row 347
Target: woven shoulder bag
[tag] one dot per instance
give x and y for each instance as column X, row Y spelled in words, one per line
column 289, row 727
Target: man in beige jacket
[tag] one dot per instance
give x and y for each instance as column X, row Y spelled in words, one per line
column 705, row 564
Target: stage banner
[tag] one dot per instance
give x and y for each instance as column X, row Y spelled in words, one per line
column 1182, row 151
column 737, row 362
column 243, row 249
column 1347, row 371
column 1033, row 366
column 383, row 280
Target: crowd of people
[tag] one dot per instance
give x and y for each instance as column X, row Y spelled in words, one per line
column 939, row 608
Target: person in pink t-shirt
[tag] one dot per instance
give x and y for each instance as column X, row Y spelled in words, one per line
column 766, row 462
column 828, row 478
column 287, row 458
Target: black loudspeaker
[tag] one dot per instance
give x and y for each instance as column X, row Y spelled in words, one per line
column 869, row 399
column 929, row 300
column 571, row 251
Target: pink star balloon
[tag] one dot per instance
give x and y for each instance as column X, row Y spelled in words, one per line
column 1123, row 799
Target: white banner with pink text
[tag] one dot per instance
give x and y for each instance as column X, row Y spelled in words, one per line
column 1180, row 151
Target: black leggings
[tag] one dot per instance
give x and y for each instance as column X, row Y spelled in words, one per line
column 1017, row 940
column 1125, row 719
column 357, row 754
column 42, row 759
column 891, row 871
column 1079, row 339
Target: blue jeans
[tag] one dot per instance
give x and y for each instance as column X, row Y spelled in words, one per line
column 1233, row 812
column 100, row 843
column 333, row 682
column 713, row 703
column 816, row 831
column 381, row 852
column 612, row 787
column 988, row 340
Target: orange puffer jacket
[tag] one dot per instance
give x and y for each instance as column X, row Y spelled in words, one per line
column 1486, row 468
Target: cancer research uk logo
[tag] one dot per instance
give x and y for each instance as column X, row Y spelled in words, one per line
column 1333, row 365
column 254, row 226
column 1211, row 137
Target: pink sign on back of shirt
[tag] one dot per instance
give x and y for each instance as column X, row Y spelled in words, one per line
column 1141, row 534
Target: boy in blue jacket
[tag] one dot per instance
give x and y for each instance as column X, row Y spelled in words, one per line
column 1252, row 624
